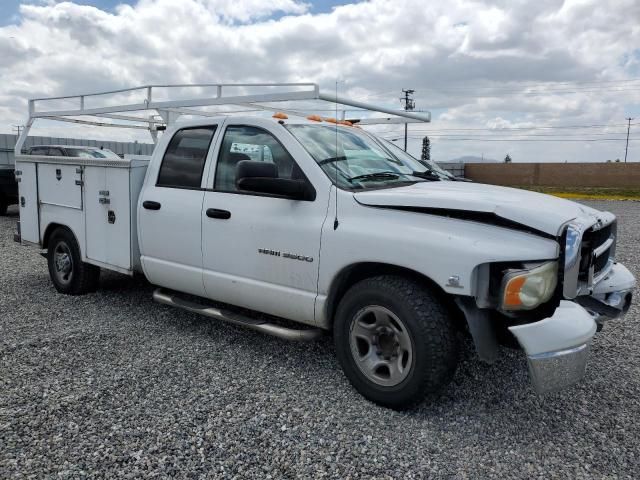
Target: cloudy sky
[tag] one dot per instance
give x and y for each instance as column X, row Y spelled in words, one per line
column 543, row 81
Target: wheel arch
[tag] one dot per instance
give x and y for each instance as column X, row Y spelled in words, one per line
column 52, row 227
column 354, row 273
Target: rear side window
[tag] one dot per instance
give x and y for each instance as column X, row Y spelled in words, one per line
column 184, row 159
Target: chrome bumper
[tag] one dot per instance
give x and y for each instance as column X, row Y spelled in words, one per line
column 557, row 347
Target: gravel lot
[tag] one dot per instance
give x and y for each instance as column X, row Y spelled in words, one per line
column 114, row 385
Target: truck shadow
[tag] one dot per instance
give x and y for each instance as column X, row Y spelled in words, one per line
column 496, row 385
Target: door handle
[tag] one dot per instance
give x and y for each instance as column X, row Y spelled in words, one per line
column 151, row 205
column 216, row 213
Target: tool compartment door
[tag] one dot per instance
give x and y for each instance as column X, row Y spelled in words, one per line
column 28, row 201
column 60, row 185
column 108, row 216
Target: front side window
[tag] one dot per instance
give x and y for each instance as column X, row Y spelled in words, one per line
column 184, row 159
column 251, row 143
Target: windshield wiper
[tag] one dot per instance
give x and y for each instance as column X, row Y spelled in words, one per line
column 428, row 175
column 376, row 176
column 332, row 159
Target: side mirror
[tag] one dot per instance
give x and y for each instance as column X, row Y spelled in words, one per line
column 262, row 177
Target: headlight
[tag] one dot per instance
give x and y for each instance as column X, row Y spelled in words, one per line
column 526, row 289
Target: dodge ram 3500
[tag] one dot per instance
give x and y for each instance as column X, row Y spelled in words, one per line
column 273, row 222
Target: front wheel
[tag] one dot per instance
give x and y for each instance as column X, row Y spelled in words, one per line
column 69, row 274
column 394, row 340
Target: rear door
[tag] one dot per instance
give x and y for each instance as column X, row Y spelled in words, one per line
column 170, row 211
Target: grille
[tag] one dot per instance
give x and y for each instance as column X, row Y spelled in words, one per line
column 590, row 243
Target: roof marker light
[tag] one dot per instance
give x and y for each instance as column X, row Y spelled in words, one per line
column 280, row 115
column 315, row 118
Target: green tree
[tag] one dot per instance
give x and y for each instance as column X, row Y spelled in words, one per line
column 426, row 149
column 507, row 159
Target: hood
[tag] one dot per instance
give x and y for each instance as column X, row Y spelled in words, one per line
column 537, row 211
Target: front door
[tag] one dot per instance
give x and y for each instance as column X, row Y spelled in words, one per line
column 260, row 251
column 171, row 214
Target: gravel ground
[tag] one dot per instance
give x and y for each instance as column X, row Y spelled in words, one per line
column 114, row 385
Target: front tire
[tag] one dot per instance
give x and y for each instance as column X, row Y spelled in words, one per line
column 69, row 274
column 395, row 340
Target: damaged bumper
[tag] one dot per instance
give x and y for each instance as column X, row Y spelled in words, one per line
column 557, row 347
column 611, row 297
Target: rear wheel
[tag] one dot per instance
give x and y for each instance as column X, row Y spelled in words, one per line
column 4, row 204
column 69, row 274
column 394, row 340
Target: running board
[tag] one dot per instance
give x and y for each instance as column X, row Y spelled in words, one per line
column 167, row 298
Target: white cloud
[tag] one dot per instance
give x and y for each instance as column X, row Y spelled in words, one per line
column 456, row 54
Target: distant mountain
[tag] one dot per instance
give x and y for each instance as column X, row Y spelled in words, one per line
column 472, row 159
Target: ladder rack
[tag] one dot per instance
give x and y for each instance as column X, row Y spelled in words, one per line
column 154, row 114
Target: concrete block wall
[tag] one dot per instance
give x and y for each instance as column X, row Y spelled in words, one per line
column 618, row 175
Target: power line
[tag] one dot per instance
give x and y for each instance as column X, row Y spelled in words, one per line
column 594, row 88
column 525, row 139
column 545, row 84
column 501, row 129
column 517, row 134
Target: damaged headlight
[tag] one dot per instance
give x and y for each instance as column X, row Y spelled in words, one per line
column 526, row 289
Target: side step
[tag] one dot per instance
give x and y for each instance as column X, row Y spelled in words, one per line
column 167, row 298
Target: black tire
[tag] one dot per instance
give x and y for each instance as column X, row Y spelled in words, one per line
column 69, row 274
column 423, row 319
column 4, row 204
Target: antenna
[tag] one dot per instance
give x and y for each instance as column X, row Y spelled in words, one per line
column 335, row 164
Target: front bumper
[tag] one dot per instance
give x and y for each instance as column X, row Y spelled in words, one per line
column 557, row 347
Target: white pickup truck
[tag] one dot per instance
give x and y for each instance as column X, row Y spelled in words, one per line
column 299, row 227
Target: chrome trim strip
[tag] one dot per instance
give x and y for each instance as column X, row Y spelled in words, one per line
column 604, row 272
column 597, row 252
column 572, row 258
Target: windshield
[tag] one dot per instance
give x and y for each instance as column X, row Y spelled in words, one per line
column 426, row 164
column 353, row 159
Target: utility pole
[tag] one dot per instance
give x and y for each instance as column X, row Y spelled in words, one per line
column 18, row 128
column 626, row 148
column 409, row 104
